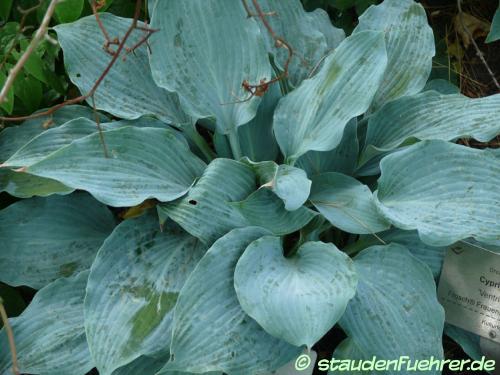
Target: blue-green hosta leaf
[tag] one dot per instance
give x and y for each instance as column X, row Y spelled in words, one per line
column 290, row 184
column 431, row 115
column 442, row 86
column 395, row 311
column 494, row 33
column 410, row 47
column 47, row 238
column 311, row 35
column 297, row 299
column 433, row 256
column 313, row 116
column 446, row 191
column 347, row 203
column 264, row 209
column 49, row 141
column 56, row 138
column 49, row 334
column 256, row 137
column 24, row 185
column 211, row 327
column 468, row 341
column 190, row 57
column 14, row 137
column 128, row 90
column 144, row 163
column 342, row 159
column 150, row 366
column 205, row 211
column 132, row 289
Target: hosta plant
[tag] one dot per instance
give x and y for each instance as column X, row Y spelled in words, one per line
column 253, row 185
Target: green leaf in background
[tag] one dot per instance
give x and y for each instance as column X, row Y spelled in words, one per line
column 203, row 51
column 313, row 116
column 264, row 209
column 133, row 287
column 410, row 47
column 128, row 90
column 431, row 115
column 205, row 211
column 49, row 334
column 494, row 34
column 47, row 238
column 395, row 311
column 69, row 10
column 299, row 298
column 442, row 86
column 446, row 191
column 5, row 7
column 210, row 325
column 311, row 35
column 347, row 204
column 29, row 90
column 342, row 159
column 143, row 163
column 8, row 104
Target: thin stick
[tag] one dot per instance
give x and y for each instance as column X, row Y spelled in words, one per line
column 39, row 36
column 10, row 336
column 478, row 51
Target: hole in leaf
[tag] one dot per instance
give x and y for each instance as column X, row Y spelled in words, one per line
column 193, row 202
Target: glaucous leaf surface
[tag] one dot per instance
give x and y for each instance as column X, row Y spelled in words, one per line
column 299, row 298
column 44, row 239
column 410, row 47
column 342, row 159
column 432, row 256
column 256, row 137
column 14, row 137
column 311, row 35
column 347, row 203
column 442, row 86
column 49, row 334
column 431, row 115
column 290, row 184
column 205, row 211
column 144, row 163
column 49, row 141
column 210, row 325
column 133, row 287
column 446, row 191
column 314, row 115
column 264, row 209
column 203, row 51
column 24, row 185
column 54, row 139
column 494, row 33
column 128, row 90
column 395, row 311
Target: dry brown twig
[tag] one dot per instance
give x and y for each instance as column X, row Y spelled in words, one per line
column 10, row 337
column 261, row 88
column 479, row 53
